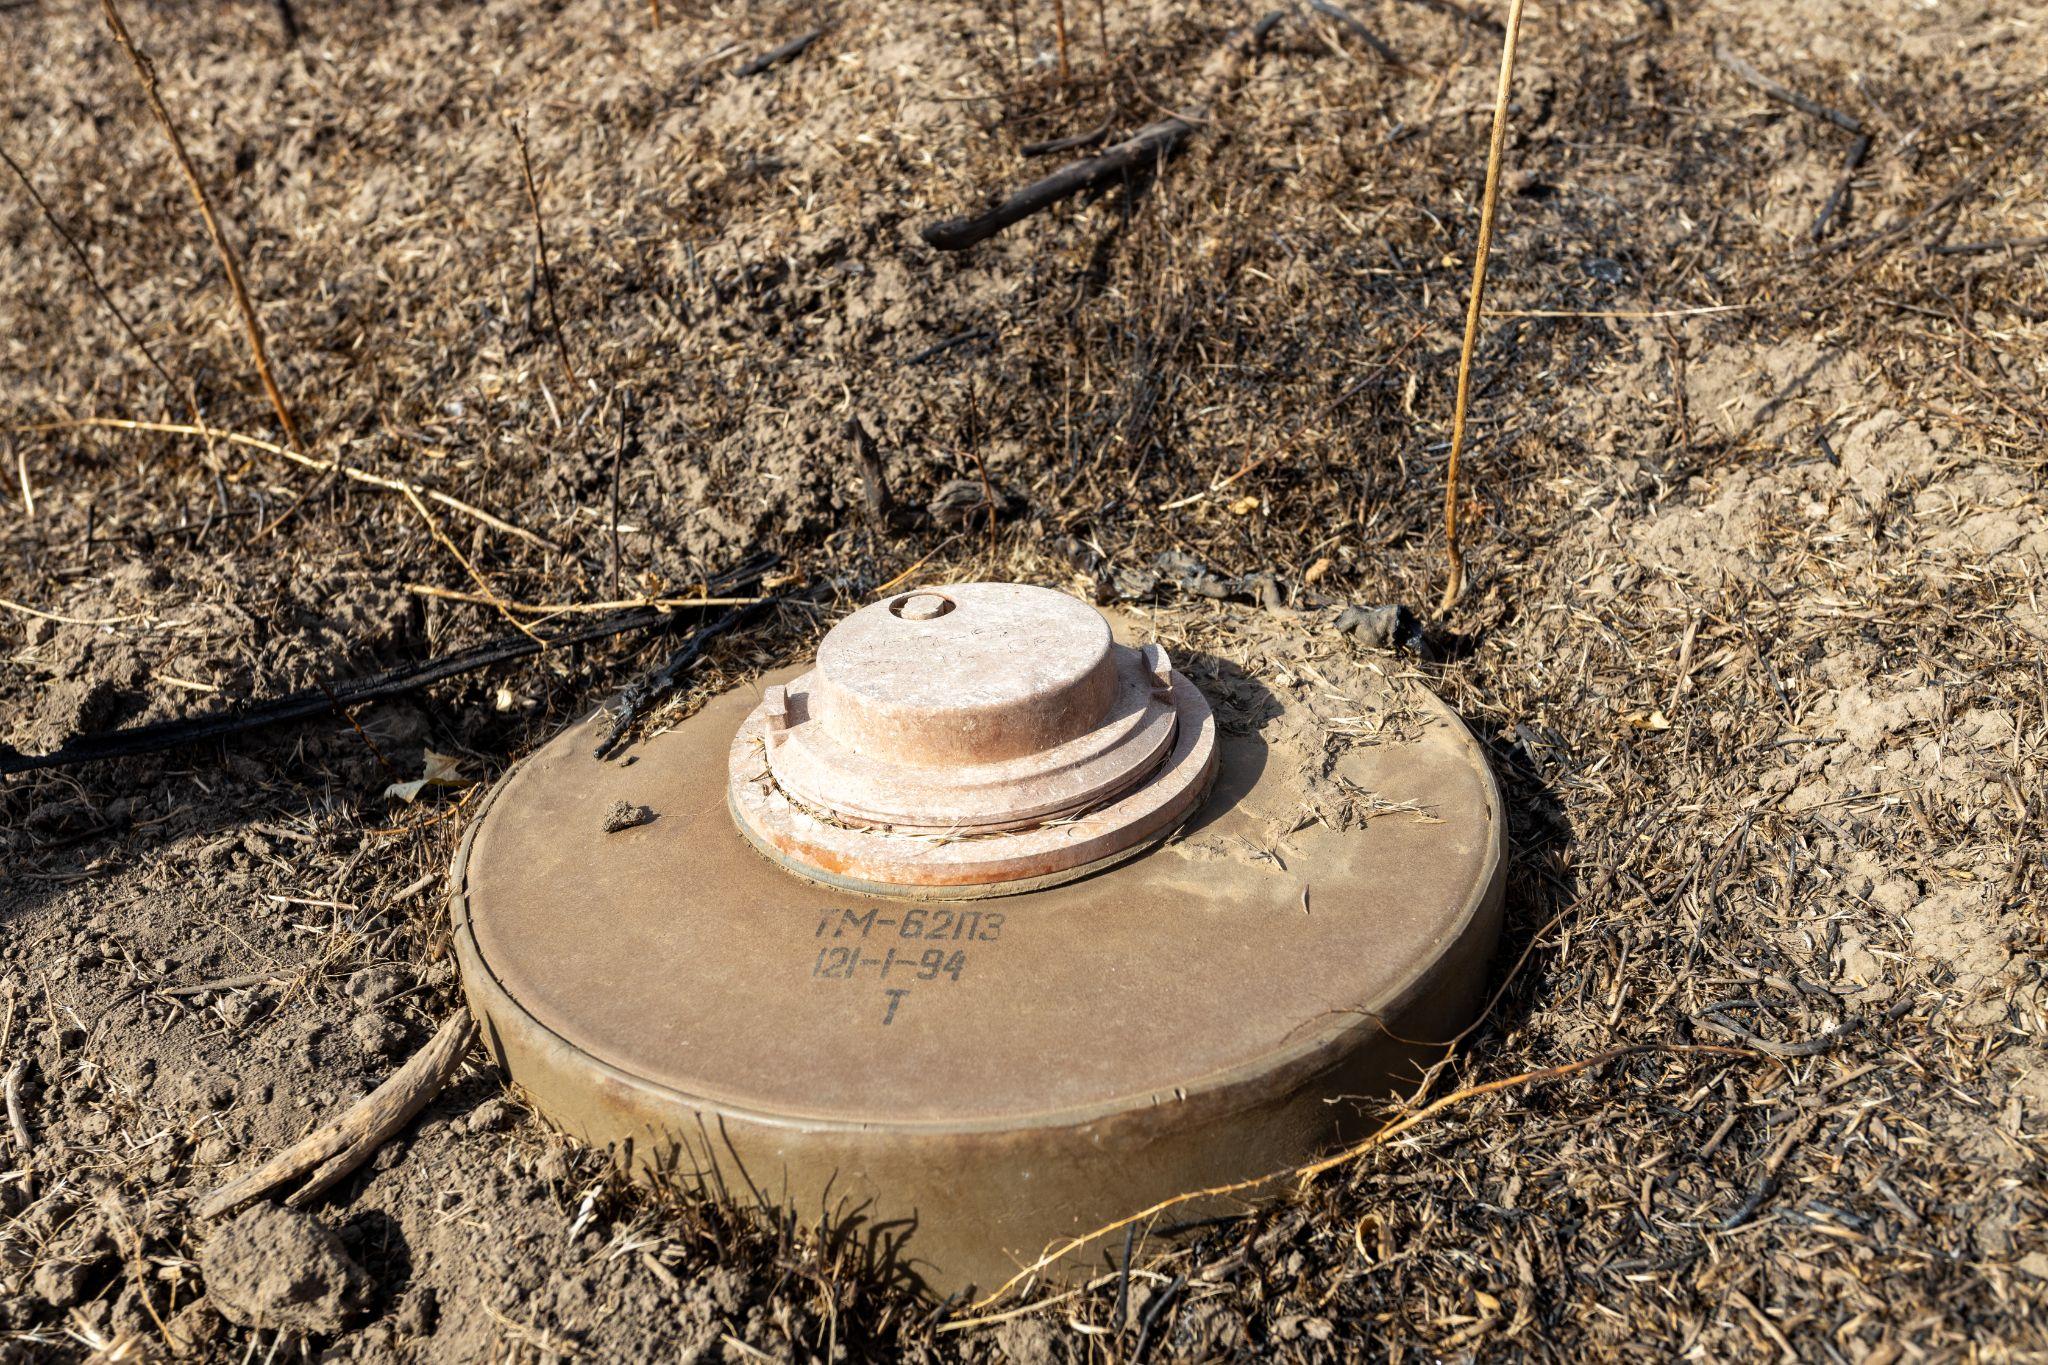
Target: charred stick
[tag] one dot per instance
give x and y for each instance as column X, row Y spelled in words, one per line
column 793, row 48
column 1487, row 22
column 641, row 696
column 1857, row 151
column 1767, row 1182
column 1357, row 26
column 1066, row 144
column 1870, row 244
column 874, row 480
column 1809, row 1047
column 1151, row 145
column 1986, row 248
column 1153, row 1311
column 317, row 701
column 1777, row 90
column 304, row 705
column 952, row 343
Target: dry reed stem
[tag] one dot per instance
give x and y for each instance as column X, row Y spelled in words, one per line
column 146, row 72
column 1619, row 314
column 1496, row 146
column 476, row 575
column 1304, row 1174
column 540, row 239
column 901, row 577
column 349, row 472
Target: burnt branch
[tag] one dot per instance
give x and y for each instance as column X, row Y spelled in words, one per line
column 1143, row 152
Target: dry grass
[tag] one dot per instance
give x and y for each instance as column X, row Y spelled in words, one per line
column 1754, row 632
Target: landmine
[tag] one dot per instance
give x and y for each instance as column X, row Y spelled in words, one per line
column 988, row 928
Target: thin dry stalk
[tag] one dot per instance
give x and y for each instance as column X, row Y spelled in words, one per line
column 1303, row 1174
column 91, row 276
column 1059, row 19
column 476, row 575
column 540, row 238
column 575, row 608
column 349, row 472
column 654, row 10
column 11, row 605
column 1455, row 588
column 618, row 459
column 254, row 329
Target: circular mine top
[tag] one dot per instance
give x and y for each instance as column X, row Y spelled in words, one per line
column 992, row 710
column 970, row 673
column 988, row 1072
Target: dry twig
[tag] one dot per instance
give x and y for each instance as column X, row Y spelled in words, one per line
column 92, row 277
column 11, row 605
column 475, row 574
column 1306, row 1173
column 540, row 241
column 341, row 1144
column 578, row 608
column 15, row 1120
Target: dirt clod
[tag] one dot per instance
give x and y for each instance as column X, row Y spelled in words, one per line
column 62, row 1283
column 379, row 1034
column 375, row 985
column 625, row 815
column 279, row 1268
